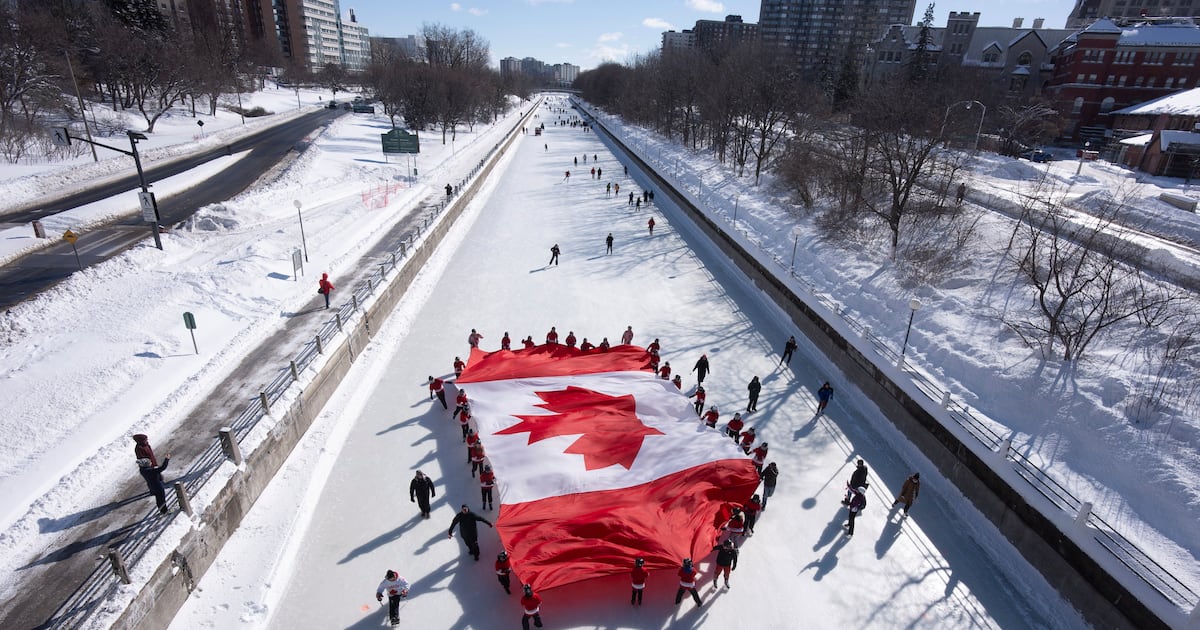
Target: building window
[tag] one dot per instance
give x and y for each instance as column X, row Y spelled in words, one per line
column 1154, row 58
column 1078, row 107
column 1112, row 80
column 1139, row 81
column 1182, row 82
column 1091, row 78
column 1149, row 81
column 1017, row 83
column 1185, row 58
column 1107, row 104
column 991, row 55
column 1079, row 78
column 1170, row 82
column 1121, row 81
column 1124, row 56
column 1025, row 59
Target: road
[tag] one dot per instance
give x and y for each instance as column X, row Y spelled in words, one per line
column 41, row 270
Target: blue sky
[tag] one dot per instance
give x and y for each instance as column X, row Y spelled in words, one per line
column 588, row 32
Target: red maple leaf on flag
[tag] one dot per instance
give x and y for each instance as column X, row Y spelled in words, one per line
column 609, row 429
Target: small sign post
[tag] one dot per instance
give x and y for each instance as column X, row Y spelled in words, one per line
column 200, row 123
column 189, row 322
column 71, row 237
column 297, row 264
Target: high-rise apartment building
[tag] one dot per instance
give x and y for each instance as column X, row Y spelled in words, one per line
column 715, row 35
column 818, row 34
column 1088, row 11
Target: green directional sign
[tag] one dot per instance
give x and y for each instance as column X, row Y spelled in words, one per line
column 400, row 141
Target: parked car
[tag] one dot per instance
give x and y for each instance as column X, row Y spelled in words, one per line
column 1037, row 155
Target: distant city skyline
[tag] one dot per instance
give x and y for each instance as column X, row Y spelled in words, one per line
column 587, row 34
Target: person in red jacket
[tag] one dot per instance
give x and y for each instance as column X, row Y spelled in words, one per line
column 751, row 510
column 638, row 576
column 487, row 481
column 531, row 606
column 505, row 342
column 143, row 450
column 570, row 339
column 710, row 417
column 678, row 381
column 760, row 457
column 736, row 525
column 687, row 582
column 700, row 396
column 503, row 571
column 650, row 224
column 476, row 454
column 665, row 371
column 654, row 346
column 325, row 287
column 734, row 428
column 528, row 342
column 604, row 346
column 748, row 440
column 472, row 440
column 552, row 336
column 459, row 366
column 461, row 402
column 437, row 387
column 586, row 345
column 627, row 336
column 464, row 422
column 652, row 353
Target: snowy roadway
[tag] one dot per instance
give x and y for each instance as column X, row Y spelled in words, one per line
column 318, row 542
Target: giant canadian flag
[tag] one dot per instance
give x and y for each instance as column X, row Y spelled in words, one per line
column 598, row 462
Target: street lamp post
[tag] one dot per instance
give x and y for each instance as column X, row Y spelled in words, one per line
column 913, row 304
column 303, row 241
column 978, row 130
column 78, row 95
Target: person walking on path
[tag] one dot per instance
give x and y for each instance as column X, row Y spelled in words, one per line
column 665, row 371
column 599, row 172
column 823, row 395
column 630, row 198
column 154, row 480
column 751, row 510
column 449, row 190
column 531, row 606
column 857, row 478
column 608, row 244
column 396, row 589
column 608, row 189
column 770, row 476
column 459, row 366
column 505, row 342
column 487, row 481
column 687, row 582
column 857, row 503
column 734, row 428
column 616, row 189
column 962, row 192
column 466, row 521
column 504, row 571
column 593, row 172
column 420, row 490
column 909, row 492
column 553, row 256
column 627, row 336
column 701, row 368
column 325, row 287
column 476, row 454
column 437, row 387
column 650, row 224
column 788, row 348
column 473, row 338
column 142, row 448
column 727, row 557
column 638, row 577
column 638, row 204
column 753, row 388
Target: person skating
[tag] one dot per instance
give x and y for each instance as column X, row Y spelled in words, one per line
column 788, row 348
column 472, row 440
column 909, row 492
column 700, row 395
column 736, row 525
column 747, row 440
column 461, row 402
column 687, row 582
column 759, row 457
column 476, row 454
column 823, row 395
column 420, row 490
column 734, row 428
column 770, row 476
column 552, row 336
column 630, row 198
column 727, row 557
column 751, row 510
column 586, row 345
column 459, row 366
column 857, row 502
column 464, row 422
column 396, row 589
column 638, row 578
column 554, row 251
column 466, row 521
column 473, row 338
column 701, row 368
column 665, row 371
column 608, row 241
column 653, row 359
column 142, row 448
column 531, row 607
column 570, row 340
column 154, row 480
column 857, row 478
column 754, row 388
column 437, row 388
column 325, row 288
column 504, row 571
column 487, row 481
column 650, row 224
column 505, row 342
column 627, row 336
column 711, row 416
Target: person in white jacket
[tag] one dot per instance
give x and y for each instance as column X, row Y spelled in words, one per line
column 396, row 588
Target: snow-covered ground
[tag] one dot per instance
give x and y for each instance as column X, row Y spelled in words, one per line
column 78, row 396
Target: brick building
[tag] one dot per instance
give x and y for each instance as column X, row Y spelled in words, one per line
column 1160, row 136
column 1106, row 67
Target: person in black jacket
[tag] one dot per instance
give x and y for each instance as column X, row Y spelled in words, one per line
column 858, row 479
column 754, row 388
column 788, row 348
column 770, row 476
column 701, row 368
column 154, row 480
column 419, row 492
column 465, row 521
column 727, row 556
